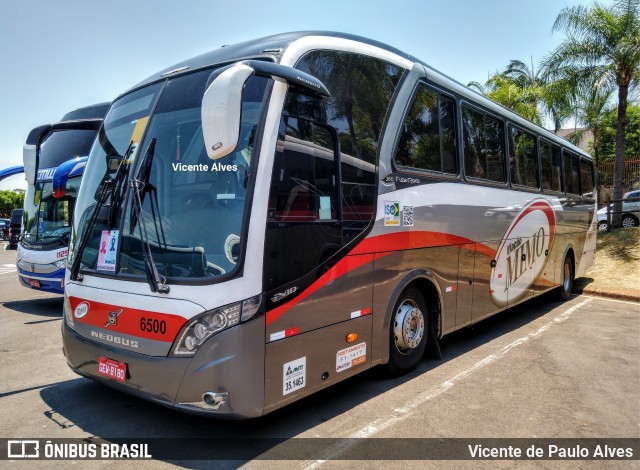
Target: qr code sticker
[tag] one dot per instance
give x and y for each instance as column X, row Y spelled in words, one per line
column 407, row 216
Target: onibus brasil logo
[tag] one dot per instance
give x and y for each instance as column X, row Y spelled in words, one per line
column 523, row 252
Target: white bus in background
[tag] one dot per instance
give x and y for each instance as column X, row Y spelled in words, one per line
column 265, row 220
column 54, row 159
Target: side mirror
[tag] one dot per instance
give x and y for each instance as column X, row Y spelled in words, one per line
column 30, row 153
column 222, row 101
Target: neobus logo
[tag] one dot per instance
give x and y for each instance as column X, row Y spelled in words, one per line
column 523, row 252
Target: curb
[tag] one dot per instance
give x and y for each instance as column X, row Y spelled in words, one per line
column 632, row 296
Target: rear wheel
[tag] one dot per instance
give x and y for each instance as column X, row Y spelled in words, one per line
column 629, row 221
column 567, row 278
column 408, row 332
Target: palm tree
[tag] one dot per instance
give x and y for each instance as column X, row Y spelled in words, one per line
column 603, row 42
column 510, row 93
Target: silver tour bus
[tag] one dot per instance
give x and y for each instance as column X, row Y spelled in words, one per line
column 260, row 222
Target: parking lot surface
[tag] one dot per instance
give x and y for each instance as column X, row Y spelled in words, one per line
column 541, row 370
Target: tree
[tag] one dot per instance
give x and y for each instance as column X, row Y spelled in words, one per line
column 603, row 42
column 10, row 200
column 510, row 93
column 632, row 134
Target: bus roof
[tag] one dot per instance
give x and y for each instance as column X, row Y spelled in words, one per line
column 94, row 111
column 272, row 48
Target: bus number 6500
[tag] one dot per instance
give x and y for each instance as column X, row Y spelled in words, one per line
column 153, row 325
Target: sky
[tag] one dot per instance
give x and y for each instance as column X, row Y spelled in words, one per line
column 59, row 55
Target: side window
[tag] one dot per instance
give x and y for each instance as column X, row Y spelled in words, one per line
column 323, row 185
column 550, row 166
column 428, row 137
column 361, row 91
column 304, row 183
column 523, row 164
column 586, row 177
column 483, row 138
column 571, row 172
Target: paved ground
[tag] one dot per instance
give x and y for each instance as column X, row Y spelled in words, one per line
column 542, row 370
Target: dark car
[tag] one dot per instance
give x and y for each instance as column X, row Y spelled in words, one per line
column 4, row 228
column 16, row 228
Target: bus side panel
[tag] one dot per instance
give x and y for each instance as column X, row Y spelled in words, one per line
column 464, row 305
column 483, row 304
column 300, row 365
column 344, row 291
column 393, row 271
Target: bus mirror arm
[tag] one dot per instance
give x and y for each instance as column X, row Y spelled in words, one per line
column 222, row 101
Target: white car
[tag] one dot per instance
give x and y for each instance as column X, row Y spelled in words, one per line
column 630, row 211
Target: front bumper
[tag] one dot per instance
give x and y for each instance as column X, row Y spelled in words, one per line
column 51, row 282
column 230, row 362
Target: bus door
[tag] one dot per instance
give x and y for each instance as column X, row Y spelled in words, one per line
column 316, row 296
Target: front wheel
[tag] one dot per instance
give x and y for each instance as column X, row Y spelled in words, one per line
column 567, row 279
column 408, row 332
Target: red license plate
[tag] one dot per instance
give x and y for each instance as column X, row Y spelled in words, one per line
column 112, row 369
column 34, row 283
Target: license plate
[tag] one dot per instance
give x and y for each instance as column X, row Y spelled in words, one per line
column 34, row 283
column 112, row 369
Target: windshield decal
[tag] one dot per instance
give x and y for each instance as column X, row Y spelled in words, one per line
column 107, row 252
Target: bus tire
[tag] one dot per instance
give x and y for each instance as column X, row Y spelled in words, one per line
column 408, row 332
column 564, row 292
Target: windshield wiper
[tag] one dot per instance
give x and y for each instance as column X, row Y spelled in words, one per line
column 120, row 188
column 157, row 283
column 109, row 186
column 140, row 185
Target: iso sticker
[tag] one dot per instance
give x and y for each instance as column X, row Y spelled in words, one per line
column 392, row 214
column 294, row 375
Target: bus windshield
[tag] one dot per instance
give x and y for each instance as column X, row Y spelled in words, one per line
column 152, row 192
column 48, row 218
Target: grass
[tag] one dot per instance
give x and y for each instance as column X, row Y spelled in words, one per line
column 617, row 261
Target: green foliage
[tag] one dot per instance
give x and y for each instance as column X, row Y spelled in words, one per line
column 10, row 200
column 632, row 136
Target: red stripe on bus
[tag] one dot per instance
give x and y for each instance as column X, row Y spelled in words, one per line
column 363, row 253
column 399, row 241
column 345, row 265
column 130, row 321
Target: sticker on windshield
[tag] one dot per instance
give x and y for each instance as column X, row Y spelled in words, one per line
column 107, row 252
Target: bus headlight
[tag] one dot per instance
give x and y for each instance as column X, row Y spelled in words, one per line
column 202, row 327
column 68, row 314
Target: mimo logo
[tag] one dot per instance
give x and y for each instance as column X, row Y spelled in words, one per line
column 523, row 252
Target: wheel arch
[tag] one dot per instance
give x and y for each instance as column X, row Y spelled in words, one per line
column 425, row 282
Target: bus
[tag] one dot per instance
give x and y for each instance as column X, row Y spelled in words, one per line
column 263, row 221
column 54, row 159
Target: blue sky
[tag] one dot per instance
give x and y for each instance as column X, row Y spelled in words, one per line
column 58, row 55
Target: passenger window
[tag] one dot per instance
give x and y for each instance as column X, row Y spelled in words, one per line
column 571, row 172
column 586, row 178
column 304, row 183
column 523, row 164
column 550, row 166
column 483, row 139
column 428, row 138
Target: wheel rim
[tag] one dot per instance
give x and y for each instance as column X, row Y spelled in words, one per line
column 408, row 328
column 628, row 222
column 566, row 282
